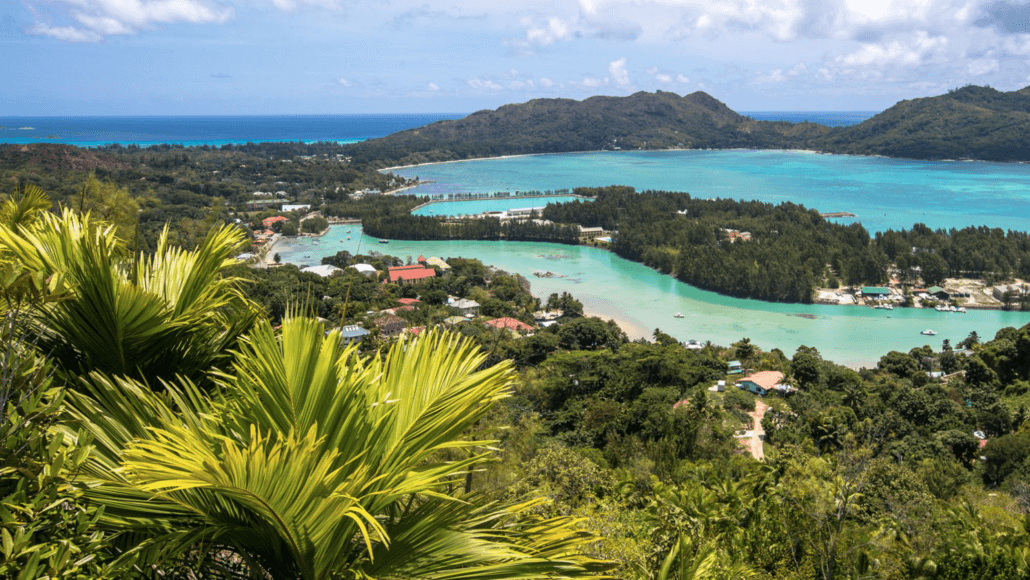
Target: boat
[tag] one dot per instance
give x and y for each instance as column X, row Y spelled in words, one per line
column 678, row 315
column 348, row 231
column 307, row 255
column 348, row 237
column 961, row 309
column 928, row 332
column 384, row 241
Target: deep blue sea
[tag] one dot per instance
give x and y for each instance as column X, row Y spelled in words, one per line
column 221, row 130
column 144, row 131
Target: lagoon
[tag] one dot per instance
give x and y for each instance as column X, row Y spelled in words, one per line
column 643, row 299
column 478, row 206
column 884, row 193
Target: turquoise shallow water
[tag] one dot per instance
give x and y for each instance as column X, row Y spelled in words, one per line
column 472, row 207
column 643, row 299
column 884, row 193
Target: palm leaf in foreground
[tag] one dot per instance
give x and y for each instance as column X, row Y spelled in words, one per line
column 315, row 463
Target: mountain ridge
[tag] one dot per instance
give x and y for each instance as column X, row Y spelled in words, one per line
column 971, row 122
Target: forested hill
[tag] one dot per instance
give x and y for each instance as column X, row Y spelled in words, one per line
column 660, row 120
column 967, row 123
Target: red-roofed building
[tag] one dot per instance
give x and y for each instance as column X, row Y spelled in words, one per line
column 410, row 274
column 765, row 382
column 511, row 324
column 268, row 222
column 421, row 259
column 416, row 330
column 409, row 301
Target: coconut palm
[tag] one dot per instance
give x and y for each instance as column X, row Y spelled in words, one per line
column 142, row 316
column 311, row 462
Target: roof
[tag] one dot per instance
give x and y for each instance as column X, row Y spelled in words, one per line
column 465, row 303
column 324, row 270
column 510, row 324
column 268, row 221
column 416, row 330
column 353, row 331
column 388, row 318
column 875, row 290
column 409, row 301
column 935, row 289
column 416, row 272
column 455, row 320
column 363, row 268
column 421, row 259
column 434, row 261
column 734, row 363
column 765, row 379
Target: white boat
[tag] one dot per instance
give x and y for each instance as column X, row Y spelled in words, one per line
column 384, row 241
column 961, row 309
column 678, row 315
column 928, row 332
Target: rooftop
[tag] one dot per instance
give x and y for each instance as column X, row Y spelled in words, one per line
column 510, row 324
column 765, row 379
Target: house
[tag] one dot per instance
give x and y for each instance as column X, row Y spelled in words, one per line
column 268, row 222
column 364, row 269
column 435, row 262
column 409, row 301
column 391, row 324
column 511, row 324
column 719, row 387
column 325, row 270
column 764, row 382
column 410, row 274
column 416, row 330
column 590, row 232
column 734, row 368
column 938, row 293
column 352, row 334
column 468, row 307
column 875, row 292
column 296, row 207
column 695, row 345
column 1014, row 290
column 453, row 320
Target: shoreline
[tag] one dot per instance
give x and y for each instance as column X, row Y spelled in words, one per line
column 683, row 149
column 633, row 331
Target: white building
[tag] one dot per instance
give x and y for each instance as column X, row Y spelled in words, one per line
column 365, row 269
column 325, row 270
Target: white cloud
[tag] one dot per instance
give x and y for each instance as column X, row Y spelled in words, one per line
column 775, row 76
column 683, row 80
column 483, row 85
column 548, row 33
column 982, row 66
column 344, row 82
column 913, row 52
column 593, row 82
column 546, row 82
column 433, row 87
column 617, row 70
column 663, row 78
column 99, row 18
column 290, row 5
column 65, row 33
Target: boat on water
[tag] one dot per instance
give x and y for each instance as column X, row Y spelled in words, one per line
column 928, row 332
column 348, row 231
column 307, row 255
column 384, row 241
column 348, row 237
column 678, row 315
column 961, row 309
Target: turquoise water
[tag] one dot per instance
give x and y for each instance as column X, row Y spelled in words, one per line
column 472, row 207
column 642, row 299
column 884, row 193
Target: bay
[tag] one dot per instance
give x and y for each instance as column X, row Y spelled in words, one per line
column 884, row 193
column 642, row 299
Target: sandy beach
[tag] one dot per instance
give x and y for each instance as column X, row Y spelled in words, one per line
column 633, row 331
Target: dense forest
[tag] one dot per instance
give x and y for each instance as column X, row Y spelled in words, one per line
column 158, row 423
column 967, row 123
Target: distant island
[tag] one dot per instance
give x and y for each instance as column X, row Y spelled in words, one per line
column 972, row 122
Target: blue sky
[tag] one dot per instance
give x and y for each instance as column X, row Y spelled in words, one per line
column 175, row 57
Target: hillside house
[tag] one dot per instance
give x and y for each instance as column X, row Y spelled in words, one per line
column 410, row 274
column 765, row 382
column 510, row 324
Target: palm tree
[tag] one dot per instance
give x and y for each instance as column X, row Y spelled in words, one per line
column 309, row 461
column 146, row 317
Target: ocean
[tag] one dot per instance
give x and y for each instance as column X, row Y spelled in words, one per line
column 208, row 130
column 222, row 130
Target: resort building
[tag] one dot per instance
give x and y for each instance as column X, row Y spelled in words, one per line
column 364, row 269
column 590, row 232
column 438, row 263
column 468, row 307
column 410, row 274
column 765, row 382
column 352, row 334
column 875, row 293
column 268, row 222
column 390, row 324
column 510, row 324
column 325, row 270
column 734, row 368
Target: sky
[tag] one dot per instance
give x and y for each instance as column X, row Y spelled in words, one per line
column 257, row 57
